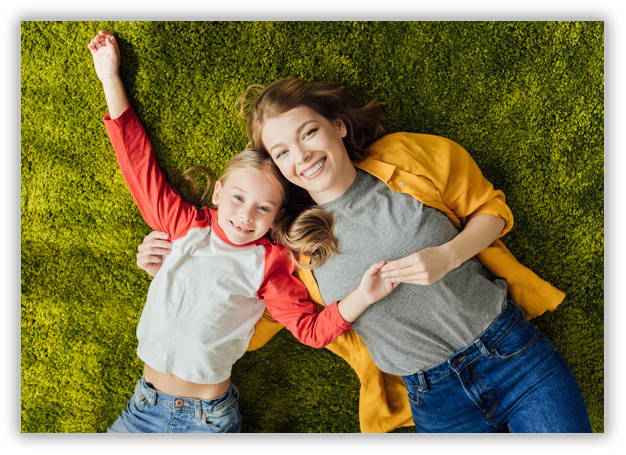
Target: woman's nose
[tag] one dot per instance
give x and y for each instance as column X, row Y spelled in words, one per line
column 303, row 155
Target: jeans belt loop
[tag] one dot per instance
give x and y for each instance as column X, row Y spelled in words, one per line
column 198, row 408
column 483, row 350
column 422, row 387
column 150, row 394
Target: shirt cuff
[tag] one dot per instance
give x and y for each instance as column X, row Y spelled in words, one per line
column 126, row 116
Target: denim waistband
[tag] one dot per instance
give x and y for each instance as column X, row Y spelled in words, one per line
column 196, row 406
column 482, row 345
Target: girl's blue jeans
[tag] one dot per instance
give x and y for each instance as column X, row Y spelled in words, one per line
column 152, row 411
column 510, row 379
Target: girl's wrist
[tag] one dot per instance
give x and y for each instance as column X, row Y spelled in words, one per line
column 111, row 81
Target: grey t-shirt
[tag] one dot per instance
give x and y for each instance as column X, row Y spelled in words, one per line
column 416, row 326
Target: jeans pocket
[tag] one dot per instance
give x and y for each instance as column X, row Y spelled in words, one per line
column 221, row 421
column 515, row 342
column 415, row 396
column 139, row 398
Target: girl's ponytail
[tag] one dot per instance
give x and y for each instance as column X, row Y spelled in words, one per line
column 309, row 232
column 196, row 201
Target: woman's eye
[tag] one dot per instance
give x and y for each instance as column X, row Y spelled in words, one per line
column 281, row 153
column 308, row 133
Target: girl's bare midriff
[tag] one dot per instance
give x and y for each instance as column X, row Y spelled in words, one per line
column 173, row 385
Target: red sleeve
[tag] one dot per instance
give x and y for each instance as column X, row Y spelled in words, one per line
column 287, row 300
column 161, row 208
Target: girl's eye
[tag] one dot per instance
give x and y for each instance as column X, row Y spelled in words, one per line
column 265, row 209
column 239, row 198
column 281, row 153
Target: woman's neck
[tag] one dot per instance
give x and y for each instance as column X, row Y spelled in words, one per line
column 338, row 188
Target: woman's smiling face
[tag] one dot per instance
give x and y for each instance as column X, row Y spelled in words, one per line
column 309, row 151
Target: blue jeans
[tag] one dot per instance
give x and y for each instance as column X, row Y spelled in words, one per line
column 510, row 379
column 152, row 411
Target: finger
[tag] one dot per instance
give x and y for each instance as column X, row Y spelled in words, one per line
column 156, row 235
column 146, row 260
column 374, row 268
column 152, row 249
column 409, row 273
column 114, row 44
column 399, row 264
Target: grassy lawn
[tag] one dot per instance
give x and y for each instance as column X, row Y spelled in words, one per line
column 524, row 98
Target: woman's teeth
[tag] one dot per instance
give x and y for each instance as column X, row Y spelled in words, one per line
column 314, row 169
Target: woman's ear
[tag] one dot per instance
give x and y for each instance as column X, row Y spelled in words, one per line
column 216, row 193
column 341, row 127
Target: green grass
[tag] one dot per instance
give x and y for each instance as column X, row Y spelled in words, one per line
column 526, row 99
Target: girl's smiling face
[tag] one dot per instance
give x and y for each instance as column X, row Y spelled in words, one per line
column 248, row 205
column 309, row 151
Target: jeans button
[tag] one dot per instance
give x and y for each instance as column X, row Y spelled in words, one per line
column 455, row 363
column 179, row 402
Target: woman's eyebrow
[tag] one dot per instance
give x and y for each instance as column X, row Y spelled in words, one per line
column 298, row 130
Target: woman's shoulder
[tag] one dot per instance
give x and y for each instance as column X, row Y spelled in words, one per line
column 408, row 142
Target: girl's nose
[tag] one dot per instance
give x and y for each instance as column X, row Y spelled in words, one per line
column 245, row 214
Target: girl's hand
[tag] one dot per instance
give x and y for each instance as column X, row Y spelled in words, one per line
column 424, row 267
column 151, row 252
column 374, row 286
column 106, row 56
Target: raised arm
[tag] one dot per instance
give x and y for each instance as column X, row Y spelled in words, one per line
column 106, row 59
column 161, row 207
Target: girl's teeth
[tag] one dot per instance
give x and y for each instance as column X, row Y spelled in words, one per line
column 314, row 169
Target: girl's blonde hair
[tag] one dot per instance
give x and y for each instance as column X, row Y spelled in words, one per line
column 246, row 159
column 311, row 231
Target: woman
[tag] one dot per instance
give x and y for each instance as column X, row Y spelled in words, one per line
column 452, row 329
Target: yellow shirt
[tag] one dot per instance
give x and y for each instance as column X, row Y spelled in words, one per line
column 440, row 174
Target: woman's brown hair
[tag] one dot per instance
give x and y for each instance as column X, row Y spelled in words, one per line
column 329, row 99
column 310, row 231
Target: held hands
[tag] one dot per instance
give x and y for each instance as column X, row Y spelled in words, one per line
column 106, row 56
column 424, row 267
column 151, row 252
column 374, row 286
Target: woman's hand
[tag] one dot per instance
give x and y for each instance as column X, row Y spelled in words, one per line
column 432, row 264
column 424, row 267
column 106, row 56
column 151, row 252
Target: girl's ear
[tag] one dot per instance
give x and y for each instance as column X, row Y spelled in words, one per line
column 341, row 127
column 216, row 193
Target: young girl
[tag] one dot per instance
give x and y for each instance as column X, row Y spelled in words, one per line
column 202, row 307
